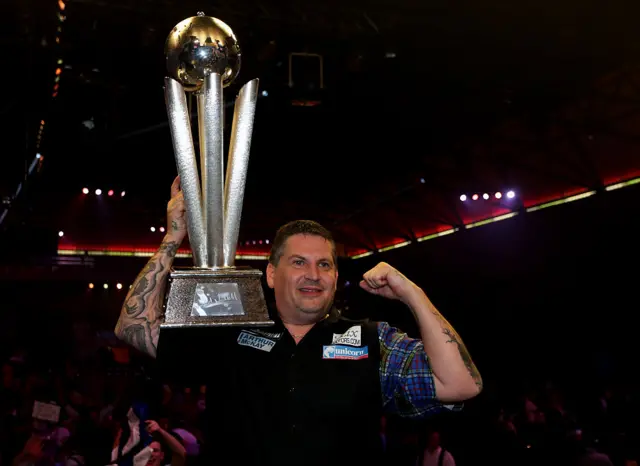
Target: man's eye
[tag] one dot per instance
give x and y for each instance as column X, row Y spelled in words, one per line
column 298, row 262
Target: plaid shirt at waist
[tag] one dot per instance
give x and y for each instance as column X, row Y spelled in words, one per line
column 406, row 377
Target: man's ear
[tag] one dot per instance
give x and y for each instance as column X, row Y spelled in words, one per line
column 271, row 271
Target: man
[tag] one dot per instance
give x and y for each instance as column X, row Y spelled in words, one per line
column 313, row 388
column 433, row 454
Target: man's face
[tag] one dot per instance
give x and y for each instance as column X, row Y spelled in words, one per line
column 304, row 281
column 157, row 455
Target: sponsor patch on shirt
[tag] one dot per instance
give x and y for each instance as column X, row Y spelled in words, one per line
column 344, row 352
column 353, row 337
column 255, row 341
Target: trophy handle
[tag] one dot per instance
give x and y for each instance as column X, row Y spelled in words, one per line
column 239, row 147
column 179, row 123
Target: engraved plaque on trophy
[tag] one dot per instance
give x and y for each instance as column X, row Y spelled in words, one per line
column 203, row 57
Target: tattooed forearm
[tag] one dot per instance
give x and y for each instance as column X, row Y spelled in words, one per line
column 142, row 282
column 171, row 247
column 464, row 354
column 141, row 315
column 132, row 309
column 136, row 336
column 455, row 375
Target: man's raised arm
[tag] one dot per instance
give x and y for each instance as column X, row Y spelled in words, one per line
column 141, row 314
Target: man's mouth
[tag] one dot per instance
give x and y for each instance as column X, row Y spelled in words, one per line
column 310, row 290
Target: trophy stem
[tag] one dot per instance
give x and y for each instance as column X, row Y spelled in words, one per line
column 202, row 143
column 210, row 124
column 179, row 123
column 238, row 163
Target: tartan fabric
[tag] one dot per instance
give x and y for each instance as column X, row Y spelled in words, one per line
column 406, row 377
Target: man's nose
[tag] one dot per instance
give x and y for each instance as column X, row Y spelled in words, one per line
column 312, row 272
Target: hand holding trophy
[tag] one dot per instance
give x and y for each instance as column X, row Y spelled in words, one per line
column 203, row 57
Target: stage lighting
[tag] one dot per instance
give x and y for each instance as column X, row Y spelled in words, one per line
column 474, row 197
column 463, row 197
column 85, row 190
column 110, row 193
column 122, row 194
column 161, row 229
column 153, row 229
column 485, row 196
column 61, row 233
column 91, row 286
column 98, row 192
column 511, row 194
column 119, row 286
column 105, row 286
column 498, row 195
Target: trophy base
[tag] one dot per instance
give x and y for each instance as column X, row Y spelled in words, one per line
column 225, row 297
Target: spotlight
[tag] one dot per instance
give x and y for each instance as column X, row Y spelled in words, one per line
column 61, row 233
column 161, row 229
column 153, row 229
column 85, row 190
column 105, row 286
column 110, row 193
column 498, row 195
column 119, row 286
column 91, row 286
column 98, row 192
column 511, row 194
column 485, row 196
column 266, row 241
column 474, row 197
column 463, row 197
column 122, row 193
column 265, row 94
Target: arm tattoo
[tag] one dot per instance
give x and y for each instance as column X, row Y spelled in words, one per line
column 170, row 247
column 136, row 336
column 174, row 225
column 141, row 315
column 131, row 309
column 464, row 354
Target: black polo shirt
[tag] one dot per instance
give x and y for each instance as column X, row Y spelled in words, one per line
column 272, row 402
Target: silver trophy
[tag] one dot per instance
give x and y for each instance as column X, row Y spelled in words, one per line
column 203, row 57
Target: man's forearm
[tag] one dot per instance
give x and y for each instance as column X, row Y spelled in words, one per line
column 178, row 453
column 457, row 377
column 141, row 314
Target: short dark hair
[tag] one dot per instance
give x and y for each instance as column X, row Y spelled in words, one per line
column 299, row 227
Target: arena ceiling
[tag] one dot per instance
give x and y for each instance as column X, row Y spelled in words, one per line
column 419, row 103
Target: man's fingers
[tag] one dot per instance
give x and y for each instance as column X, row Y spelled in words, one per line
column 369, row 278
column 366, row 287
column 375, row 279
column 175, row 186
column 177, row 203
